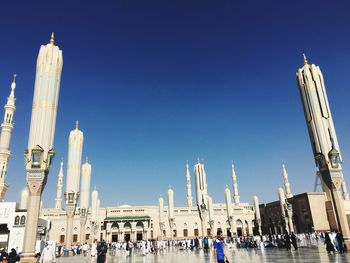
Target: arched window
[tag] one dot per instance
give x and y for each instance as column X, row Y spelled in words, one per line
column 23, row 220
column 16, row 220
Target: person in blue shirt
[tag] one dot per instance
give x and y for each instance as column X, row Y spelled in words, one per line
column 219, row 250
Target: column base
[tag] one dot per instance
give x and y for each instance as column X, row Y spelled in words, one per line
column 29, row 260
column 347, row 244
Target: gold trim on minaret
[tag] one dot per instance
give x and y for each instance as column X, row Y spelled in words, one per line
column 77, row 125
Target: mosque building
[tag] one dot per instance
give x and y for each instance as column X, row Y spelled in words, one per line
column 77, row 218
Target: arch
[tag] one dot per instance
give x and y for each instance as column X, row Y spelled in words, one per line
column 139, row 225
column 16, row 220
column 114, row 225
column 127, row 225
column 185, row 225
column 23, row 220
column 239, row 223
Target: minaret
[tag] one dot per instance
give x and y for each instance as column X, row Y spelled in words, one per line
column 235, row 186
column 23, row 204
column 40, row 151
column 171, row 210
column 58, row 199
column 5, row 138
column 286, row 181
column 282, row 199
column 319, row 120
column 75, row 149
column 84, row 197
column 188, row 186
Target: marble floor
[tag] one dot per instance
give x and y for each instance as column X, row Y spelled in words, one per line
column 303, row 255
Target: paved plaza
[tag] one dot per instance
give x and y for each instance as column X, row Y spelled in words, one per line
column 304, row 254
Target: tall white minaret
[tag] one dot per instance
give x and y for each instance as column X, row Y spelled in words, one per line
column 282, row 199
column 40, row 151
column 286, row 181
column 319, row 121
column 235, row 186
column 85, row 184
column 188, row 186
column 58, row 199
column 5, row 138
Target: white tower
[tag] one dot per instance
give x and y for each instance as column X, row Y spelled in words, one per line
column 319, row 120
column 188, row 186
column 40, row 150
column 5, row 138
column 23, row 204
column 75, row 149
column 211, row 214
column 58, row 199
column 235, row 186
column 286, row 181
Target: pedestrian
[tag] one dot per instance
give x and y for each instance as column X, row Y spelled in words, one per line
column 3, row 255
column 85, row 249
column 340, row 242
column 48, row 255
column 101, row 252
column 329, row 244
column 287, row 241
column 219, row 250
column 13, row 256
column 294, row 241
column 93, row 248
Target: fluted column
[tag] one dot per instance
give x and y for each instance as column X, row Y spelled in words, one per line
column 40, row 150
column 201, row 195
column 230, row 216
column 161, row 215
column 211, row 215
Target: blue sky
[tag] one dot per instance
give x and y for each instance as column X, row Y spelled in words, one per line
column 156, row 83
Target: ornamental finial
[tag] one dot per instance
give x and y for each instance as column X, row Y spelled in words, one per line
column 305, row 59
column 52, row 40
column 76, row 124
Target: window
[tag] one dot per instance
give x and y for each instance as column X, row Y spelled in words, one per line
column 87, row 236
column 75, row 238
column 185, row 232
column 23, row 220
column 16, row 220
column 196, row 232
column 174, row 233
column 61, row 239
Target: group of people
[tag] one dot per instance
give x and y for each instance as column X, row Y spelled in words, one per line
column 334, row 242
column 11, row 257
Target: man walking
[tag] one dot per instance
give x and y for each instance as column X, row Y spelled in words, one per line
column 219, row 250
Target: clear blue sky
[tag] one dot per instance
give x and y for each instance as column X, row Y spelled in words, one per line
column 154, row 83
